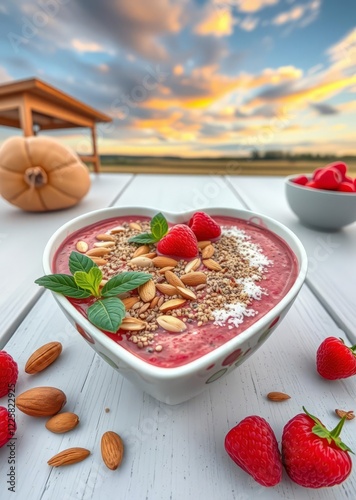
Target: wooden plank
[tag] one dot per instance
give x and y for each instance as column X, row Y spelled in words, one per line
column 52, row 109
column 23, row 236
column 170, row 452
column 332, row 272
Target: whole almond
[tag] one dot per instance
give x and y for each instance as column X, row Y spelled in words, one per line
column 171, row 304
column 62, row 422
column 208, row 252
column 186, row 293
column 164, row 269
column 105, row 244
column 143, row 249
column 99, row 261
column 82, row 246
column 43, row 357
column 117, row 229
column 132, row 324
column 194, row 278
column 136, row 226
column 277, row 396
column 130, row 302
column 173, row 279
column 154, row 302
column 98, row 252
column 112, row 449
column 141, row 261
column 105, row 237
column 69, row 456
column 147, row 291
column 41, row 401
column 150, row 255
column 164, row 261
column 171, row 324
column 203, row 244
column 166, row 289
column 212, row 265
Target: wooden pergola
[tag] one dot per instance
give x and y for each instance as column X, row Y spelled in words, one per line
column 34, row 105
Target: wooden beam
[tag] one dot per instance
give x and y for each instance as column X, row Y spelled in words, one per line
column 95, row 151
column 56, row 111
column 26, row 117
column 9, row 122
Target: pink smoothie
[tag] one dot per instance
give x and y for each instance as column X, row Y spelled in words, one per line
column 265, row 250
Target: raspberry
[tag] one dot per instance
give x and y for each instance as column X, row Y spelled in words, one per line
column 8, row 372
column 7, row 426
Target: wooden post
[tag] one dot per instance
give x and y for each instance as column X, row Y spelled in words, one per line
column 25, row 115
column 96, row 160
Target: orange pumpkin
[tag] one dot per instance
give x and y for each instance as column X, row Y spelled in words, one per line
column 39, row 174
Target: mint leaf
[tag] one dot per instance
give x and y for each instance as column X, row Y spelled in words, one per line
column 80, row 262
column 64, row 284
column 144, row 238
column 107, row 314
column 159, row 226
column 124, row 282
column 89, row 281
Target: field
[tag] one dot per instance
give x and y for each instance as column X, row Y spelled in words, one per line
column 224, row 166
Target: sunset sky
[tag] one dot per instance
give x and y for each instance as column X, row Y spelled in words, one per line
column 194, row 77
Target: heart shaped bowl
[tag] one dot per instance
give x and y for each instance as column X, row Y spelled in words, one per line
column 176, row 384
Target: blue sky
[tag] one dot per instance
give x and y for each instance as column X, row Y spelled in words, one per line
column 194, row 77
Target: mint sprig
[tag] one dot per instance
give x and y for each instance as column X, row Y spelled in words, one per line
column 159, row 228
column 108, row 311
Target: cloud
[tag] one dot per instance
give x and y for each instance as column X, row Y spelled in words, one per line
column 215, row 22
column 325, row 109
column 247, row 5
column 249, row 23
column 4, row 75
column 82, row 46
column 343, row 54
column 306, row 13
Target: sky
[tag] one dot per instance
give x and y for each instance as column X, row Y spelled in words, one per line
column 193, row 78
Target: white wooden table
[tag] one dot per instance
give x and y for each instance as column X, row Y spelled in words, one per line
column 171, row 452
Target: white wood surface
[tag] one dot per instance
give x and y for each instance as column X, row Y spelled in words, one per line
column 23, row 236
column 332, row 255
column 172, row 452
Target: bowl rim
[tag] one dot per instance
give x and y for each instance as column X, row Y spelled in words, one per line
column 328, row 192
column 130, row 359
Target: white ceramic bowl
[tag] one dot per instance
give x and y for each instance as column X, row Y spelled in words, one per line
column 320, row 208
column 175, row 385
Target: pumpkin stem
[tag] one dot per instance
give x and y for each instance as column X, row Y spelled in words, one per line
column 35, row 177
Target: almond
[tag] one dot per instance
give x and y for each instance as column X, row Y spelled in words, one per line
column 105, row 237
column 62, row 422
column 98, row 252
column 164, row 261
column 154, row 301
column 277, row 396
column 136, row 226
column 143, row 249
column 112, row 449
column 192, row 265
column 171, row 304
column 342, row 413
column 212, row 265
column 117, row 229
column 69, row 456
column 41, row 401
column 173, row 279
column 208, row 252
column 141, row 262
column 150, row 255
column 130, row 302
column 203, row 244
column 164, row 269
column 132, row 324
column 194, row 278
column 82, row 246
column 147, row 291
column 186, row 293
column 166, row 289
column 99, row 261
column 43, row 357
column 105, row 244
column 171, row 324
